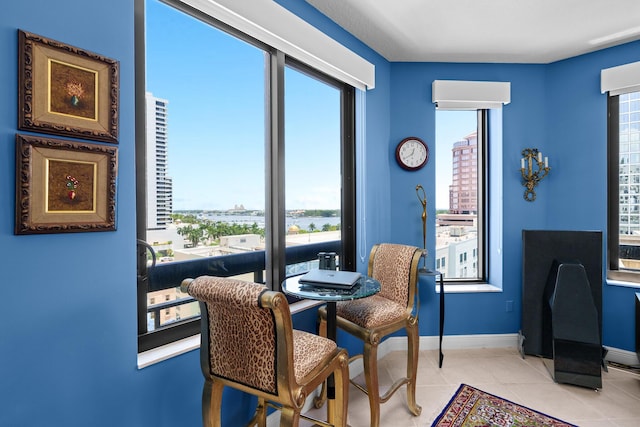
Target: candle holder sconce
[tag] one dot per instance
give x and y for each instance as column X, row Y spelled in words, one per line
column 533, row 169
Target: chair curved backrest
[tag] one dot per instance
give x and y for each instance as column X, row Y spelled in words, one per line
column 241, row 335
column 395, row 266
column 248, row 342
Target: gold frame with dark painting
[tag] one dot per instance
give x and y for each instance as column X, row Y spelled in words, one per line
column 64, row 186
column 65, row 90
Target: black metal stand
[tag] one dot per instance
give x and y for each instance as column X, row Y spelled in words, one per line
column 331, row 334
column 437, row 273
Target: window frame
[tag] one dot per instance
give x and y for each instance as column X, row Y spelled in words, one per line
column 614, row 272
column 482, row 276
column 277, row 255
column 613, row 186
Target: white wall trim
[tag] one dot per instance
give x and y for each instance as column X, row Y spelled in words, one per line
column 450, row 342
column 621, row 79
column 621, row 356
column 469, row 95
column 168, row 351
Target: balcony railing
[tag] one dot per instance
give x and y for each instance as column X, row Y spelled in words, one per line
column 169, row 275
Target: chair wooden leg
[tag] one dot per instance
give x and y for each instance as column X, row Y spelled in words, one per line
column 412, row 367
column 322, row 327
column 341, row 375
column 261, row 413
column 211, row 403
column 318, row 401
column 370, row 360
column 289, row 417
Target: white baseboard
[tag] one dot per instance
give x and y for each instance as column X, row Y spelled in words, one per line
column 426, row 343
column 461, row 342
column 455, row 342
column 622, row 356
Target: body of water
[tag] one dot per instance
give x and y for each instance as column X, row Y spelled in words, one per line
column 302, row 222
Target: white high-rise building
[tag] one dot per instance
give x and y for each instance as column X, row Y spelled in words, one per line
column 159, row 184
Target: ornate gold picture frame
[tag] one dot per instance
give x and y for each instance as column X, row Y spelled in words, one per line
column 64, row 186
column 65, row 90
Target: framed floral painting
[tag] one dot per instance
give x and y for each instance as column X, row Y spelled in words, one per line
column 65, row 90
column 64, row 186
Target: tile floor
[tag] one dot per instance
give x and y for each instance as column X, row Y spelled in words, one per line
column 505, row 373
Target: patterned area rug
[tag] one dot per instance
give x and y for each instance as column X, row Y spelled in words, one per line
column 471, row 407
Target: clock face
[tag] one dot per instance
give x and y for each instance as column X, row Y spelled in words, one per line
column 412, row 153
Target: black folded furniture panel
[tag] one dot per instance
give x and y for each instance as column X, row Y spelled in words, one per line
column 574, row 339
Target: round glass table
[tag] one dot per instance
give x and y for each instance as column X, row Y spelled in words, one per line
column 364, row 287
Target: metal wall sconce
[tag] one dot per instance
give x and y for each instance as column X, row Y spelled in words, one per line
column 533, row 169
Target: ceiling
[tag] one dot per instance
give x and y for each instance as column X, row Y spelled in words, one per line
column 505, row 31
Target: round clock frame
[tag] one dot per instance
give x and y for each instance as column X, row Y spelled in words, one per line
column 406, row 154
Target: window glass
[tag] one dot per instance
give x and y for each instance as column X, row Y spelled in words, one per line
column 458, row 177
column 205, row 145
column 312, row 160
column 627, row 253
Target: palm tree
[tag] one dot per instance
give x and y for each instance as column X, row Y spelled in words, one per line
column 193, row 234
column 256, row 230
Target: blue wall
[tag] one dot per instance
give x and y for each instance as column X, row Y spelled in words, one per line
column 557, row 108
column 414, row 113
column 68, row 344
column 579, row 199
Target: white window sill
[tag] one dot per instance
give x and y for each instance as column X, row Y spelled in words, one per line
column 156, row 355
column 468, row 289
column 304, row 304
column 623, row 283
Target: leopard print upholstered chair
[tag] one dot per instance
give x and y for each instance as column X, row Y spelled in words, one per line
column 371, row 319
column 248, row 343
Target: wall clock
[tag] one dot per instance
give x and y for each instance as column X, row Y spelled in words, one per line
column 412, row 153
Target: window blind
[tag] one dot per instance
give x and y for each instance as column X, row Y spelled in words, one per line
column 469, row 95
column 620, row 79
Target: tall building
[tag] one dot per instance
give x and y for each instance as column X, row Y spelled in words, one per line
column 159, row 184
column 456, row 232
column 463, row 193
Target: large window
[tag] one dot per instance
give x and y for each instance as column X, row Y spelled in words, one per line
column 624, row 187
column 245, row 165
column 460, row 195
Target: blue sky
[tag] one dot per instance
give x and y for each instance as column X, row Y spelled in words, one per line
column 215, row 87
column 214, row 84
column 189, row 65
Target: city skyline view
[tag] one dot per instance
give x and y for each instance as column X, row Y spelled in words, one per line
column 207, row 155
